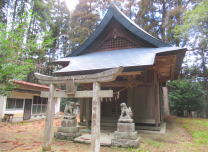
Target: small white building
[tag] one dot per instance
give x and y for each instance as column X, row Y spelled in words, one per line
column 25, row 102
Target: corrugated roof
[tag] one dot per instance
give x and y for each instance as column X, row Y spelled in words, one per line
column 112, row 59
column 114, row 13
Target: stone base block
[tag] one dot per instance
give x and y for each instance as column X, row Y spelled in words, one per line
column 125, row 142
column 125, row 127
column 66, row 136
column 69, row 123
column 68, row 129
column 125, row 135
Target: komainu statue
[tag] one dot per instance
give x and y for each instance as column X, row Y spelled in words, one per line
column 126, row 114
column 68, row 129
column 125, row 135
column 69, row 111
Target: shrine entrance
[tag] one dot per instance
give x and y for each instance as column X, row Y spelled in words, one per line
column 110, row 109
column 70, row 83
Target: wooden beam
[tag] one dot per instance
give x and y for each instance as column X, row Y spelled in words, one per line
column 130, row 73
column 125, row 84
column 106, row 76
column 172, row 70
column 48, row 131
column 79, row 94
column 95, row 126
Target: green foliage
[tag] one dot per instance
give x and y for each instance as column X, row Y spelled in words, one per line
column 14, row 63
column 185, row 95
column 159, row 17
column 155, row 143
column 83, row 22
column 193, row 32
column 195, row 21
column 18, row 56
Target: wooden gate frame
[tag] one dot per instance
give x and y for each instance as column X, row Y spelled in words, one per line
column 70, row 82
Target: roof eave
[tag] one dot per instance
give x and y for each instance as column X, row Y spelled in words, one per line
column 114, row 12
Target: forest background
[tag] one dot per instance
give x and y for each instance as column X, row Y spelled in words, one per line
column 34, row 33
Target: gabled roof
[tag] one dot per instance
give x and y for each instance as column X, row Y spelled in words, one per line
column 133, row 57
column 114, row 13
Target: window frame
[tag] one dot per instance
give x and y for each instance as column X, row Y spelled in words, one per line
column 41, row 102
column 15, row 104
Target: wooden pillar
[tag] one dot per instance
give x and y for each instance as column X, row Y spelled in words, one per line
column 88, row 112
column 130, row 97
column 95, row 127
column 157, row 99
column 48, row 131
column 81, row 114
column 166, row 102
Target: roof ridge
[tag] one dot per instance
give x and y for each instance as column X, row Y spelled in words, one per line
column 115, row 7
column 115, row 12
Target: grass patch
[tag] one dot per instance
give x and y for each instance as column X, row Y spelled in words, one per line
column 200, row 137
column 197, row 128
column 154, row 143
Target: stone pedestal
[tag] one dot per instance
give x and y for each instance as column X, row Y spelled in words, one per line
column 125, row 136
column 68, row 130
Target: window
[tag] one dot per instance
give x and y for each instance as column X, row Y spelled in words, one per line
column 13, row 103
column 39, row 105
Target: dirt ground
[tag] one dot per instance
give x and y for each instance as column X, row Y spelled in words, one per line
column 180, row 137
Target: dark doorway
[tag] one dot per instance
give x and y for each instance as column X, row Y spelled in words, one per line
column 111, row 109
column 27, row 109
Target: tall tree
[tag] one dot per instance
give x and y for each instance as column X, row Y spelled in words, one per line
column 83, row 21
column 194, row 31
column 3, row 4
column 159, row 17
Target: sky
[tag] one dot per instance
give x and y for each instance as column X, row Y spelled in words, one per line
column 71, row 4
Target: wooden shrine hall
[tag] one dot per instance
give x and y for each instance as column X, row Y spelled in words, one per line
column 119, row 62
column 148, row 63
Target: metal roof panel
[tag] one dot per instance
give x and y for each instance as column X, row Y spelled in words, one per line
column 112, row 59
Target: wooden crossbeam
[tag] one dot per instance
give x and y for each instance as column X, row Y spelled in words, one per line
column 125, row 83
column 131, row 73
column 105, row 76
column 79, row 94
column 95, row 94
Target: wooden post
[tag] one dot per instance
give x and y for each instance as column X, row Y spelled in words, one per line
column 157, row 99
column 166, row 102
column 96, row 94
column 130, row 97
column 81, row 110
column 48, row 131
column 95, row 127
column 87, row 113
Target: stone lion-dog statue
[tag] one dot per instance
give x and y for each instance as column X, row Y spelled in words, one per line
column 126, row 114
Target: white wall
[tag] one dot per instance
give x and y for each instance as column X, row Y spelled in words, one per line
column 57, row 105
column 18, row 114
column 2, row 106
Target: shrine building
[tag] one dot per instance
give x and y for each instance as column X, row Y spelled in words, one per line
column 147, row 61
